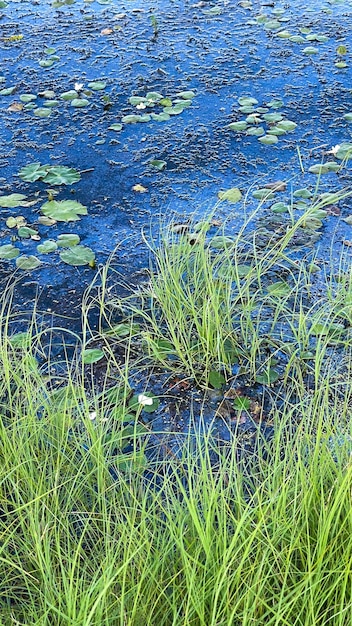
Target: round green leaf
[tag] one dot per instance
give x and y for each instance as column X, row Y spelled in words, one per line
column 42, row 112
column 28, row 97
column 27, row 262
column 69, row 95
column 115, row 127
column 79, row 102
column 231, row 195
column 68, row 240
column 268, row 139
column 92, row 355
column 47, row 246
column 237, row 126
column 78, row 255
column 12, row 200
column 64, row 210
column 61, row 175
column 8, row 251
column 97, row 85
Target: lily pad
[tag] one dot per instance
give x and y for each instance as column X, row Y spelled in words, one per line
column 64, row 210
column 268, row 140
column 28, row 97
column 159, row 165
column 61, row 175
column 47, row 246
column 46, row 62
column 263, row 194
column 153, row 96
column 27, row 262
column 280, row 207
column 25, row 232
column 92, row 355
column 97, row 85
column 8, row 91
column 287, row 125
column 160, row 117
column 268, row 378
column 8, row 251
column 67, row 240
column 276, row 103
column 237, row 126
column 302, row 193
column 279, row 289
column 216, row 379
column 69, row 95
column 297, row 39
column 41, row 112
column 221, row 242
column 78, row 255
column 186, row 95
column 115, row 127
column 32, row 172
column 79, row 102
column 12, row 200
column 324, row 168
column 247, row 101
column 256, row 131
column 272, row 117
column 310, row 50
column 344, row 152
column 232, row 195
column 135, row 119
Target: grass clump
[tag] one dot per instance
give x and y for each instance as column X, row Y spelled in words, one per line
column 94, row 529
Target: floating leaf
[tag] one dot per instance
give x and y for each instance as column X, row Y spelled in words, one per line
column 28, row 97
column 42, row 112
column 67, row 240
column 134, row 119
column 64, row 210
column 272, row 117
column 51, row 103
column 69, row 95
column 12, row 200
column 256, row 131
column 8, row 251
column 61, row 175
column 221, row 242
column 216, row 379
column 186, row 95
column 241, row 403
column 47, row 246
column 32, row 172
column 263, row 194
column 344, row 152
column 92, row 355
column 232, row 195
column 27, row 262
column 287, row 125
column 46, row 62
column 275, row 104
column 78, row 255
column 341, row 64
column 115, row 127
column 160, row 117
column 247, row 101
column 153, row 96
column 268, row 139
column 79, row 102
column 275, row 130
column 269, row 377
column 21, row 340
column 279, row 288
column 333, row 329
column 341, row 50
column 324, row 168
column 279, row 207
column 134, row 100
column 97, row 85
column 25, row 232
column 297, row 39
column 302, row 193
column 159, row 165
column 310, row 50
column 8, row 91
column 237, row 126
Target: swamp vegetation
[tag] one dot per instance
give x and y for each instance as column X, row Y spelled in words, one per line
column 176, row 313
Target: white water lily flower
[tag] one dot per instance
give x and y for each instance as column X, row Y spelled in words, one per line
column 145, row 400
column 141, row 105
column 78, row 86
column 334, row 149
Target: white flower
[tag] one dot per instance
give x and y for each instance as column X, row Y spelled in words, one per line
column 145, row 400
column 141, row 105
column 78, row 86
column 334, row 149
column 92, row 415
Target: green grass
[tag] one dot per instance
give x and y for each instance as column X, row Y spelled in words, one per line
column 94, row 533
